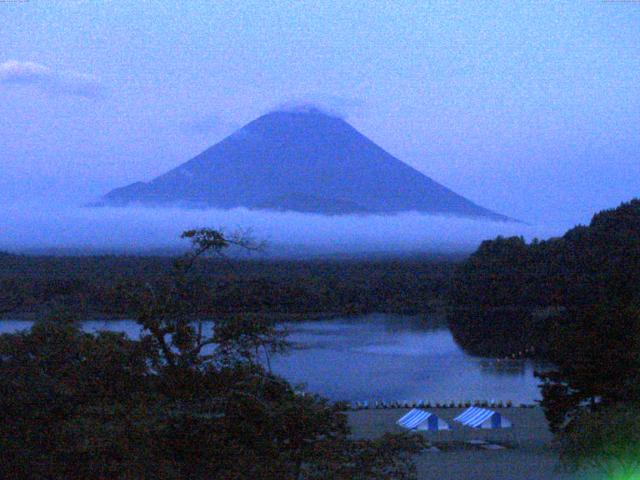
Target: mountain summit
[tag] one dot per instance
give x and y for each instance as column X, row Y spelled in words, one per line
column 304, row 161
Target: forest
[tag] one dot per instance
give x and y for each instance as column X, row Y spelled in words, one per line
column 100, row 286
column 573, row 301
column 512, row 297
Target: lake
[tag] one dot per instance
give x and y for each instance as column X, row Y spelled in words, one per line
column 380, row 357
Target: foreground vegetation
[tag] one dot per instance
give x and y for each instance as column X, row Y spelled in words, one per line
column 575, row 301
column 75, row 405
column 525, row 294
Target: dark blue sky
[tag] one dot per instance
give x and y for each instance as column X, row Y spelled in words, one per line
column 531, row 109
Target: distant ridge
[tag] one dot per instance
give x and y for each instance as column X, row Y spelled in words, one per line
column 305, row 161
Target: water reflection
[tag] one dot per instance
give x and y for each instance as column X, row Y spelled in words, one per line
column 380, row 357
column 391, row 357
column 503, row 367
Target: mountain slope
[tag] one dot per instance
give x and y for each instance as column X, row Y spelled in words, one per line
column 301, row 161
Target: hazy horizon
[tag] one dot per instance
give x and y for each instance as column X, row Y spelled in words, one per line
column 528, row 109
column 136, row 229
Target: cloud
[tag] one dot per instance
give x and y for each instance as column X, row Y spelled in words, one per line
column 41, row 77
column 334, row 105
column 37, row 226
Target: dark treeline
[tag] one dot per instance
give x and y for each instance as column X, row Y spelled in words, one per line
column 575, row 301
column 515, row 297
column 99, row 286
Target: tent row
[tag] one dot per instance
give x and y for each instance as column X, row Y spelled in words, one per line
column 474, row 417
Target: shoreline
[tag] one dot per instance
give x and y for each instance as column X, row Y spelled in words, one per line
column 428, row 405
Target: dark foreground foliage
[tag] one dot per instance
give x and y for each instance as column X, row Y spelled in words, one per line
column 575, row 301
column 177, row 404
column 597, row 363
column 606, row 441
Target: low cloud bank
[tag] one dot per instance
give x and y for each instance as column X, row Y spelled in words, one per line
column 27, row 228
column 44, row 78
column 333, row 105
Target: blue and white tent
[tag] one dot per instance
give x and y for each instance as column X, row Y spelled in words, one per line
column 418, row 419
column 476, row 417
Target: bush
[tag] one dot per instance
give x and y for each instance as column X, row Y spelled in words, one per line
column 606, row 440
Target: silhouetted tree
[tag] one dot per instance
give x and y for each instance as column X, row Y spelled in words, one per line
column 180, row 402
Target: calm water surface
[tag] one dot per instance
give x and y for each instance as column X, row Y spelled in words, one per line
column 380, row 357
